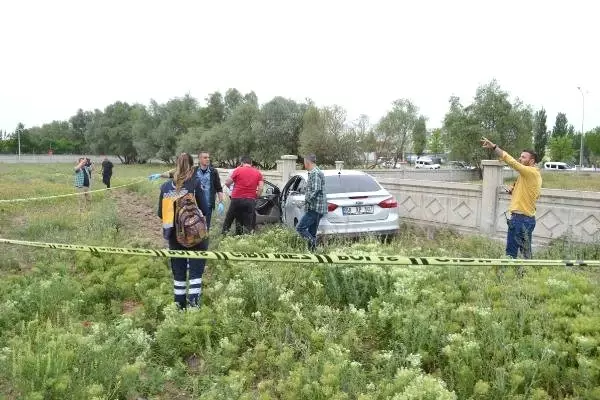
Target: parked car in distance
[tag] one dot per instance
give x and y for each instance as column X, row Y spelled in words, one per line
column 559, row 166
column 461, row 165
column 357, row 204
column 426, row 163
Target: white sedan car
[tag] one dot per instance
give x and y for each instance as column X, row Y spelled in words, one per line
column 357, row 204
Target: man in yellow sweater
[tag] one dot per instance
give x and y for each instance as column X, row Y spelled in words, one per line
column 525, row 193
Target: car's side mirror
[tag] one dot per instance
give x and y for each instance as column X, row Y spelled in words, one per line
column 269, row 190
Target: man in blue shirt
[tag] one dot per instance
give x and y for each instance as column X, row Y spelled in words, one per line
column 211, row 184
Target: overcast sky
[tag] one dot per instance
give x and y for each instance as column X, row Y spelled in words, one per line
column 58, row 56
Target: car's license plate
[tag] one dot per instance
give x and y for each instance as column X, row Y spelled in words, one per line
column 358, row 210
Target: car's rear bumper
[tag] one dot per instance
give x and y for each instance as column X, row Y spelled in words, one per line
column 383, row 227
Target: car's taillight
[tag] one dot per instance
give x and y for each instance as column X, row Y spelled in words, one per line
column 331, row 207
column 388, row 203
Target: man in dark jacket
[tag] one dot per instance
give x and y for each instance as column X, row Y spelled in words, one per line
column 211, row 184
column 106, row 171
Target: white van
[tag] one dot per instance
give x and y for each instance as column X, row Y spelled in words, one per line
column 426, row 163
column 555, row 165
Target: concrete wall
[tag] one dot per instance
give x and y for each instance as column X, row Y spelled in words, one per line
column 434, row 203
column 446, row 175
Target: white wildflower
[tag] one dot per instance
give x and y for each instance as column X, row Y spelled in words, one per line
column 414, row 360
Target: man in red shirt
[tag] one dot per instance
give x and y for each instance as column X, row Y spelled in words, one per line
column 248, row 185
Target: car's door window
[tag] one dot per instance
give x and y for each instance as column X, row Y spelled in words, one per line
column 269, row 189
column 301, row 188
column 289, row 187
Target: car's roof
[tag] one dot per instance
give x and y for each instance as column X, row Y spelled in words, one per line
column 334, row 172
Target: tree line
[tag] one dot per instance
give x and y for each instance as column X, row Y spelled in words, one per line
column 235, row 124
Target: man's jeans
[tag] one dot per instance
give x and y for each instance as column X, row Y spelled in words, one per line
column 520, row 230
column 307, row 227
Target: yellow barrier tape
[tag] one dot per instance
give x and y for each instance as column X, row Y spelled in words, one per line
column 68, row 194
column 305, row 258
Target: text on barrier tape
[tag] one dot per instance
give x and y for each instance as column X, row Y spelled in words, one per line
column 68, row 194
column 303, row 258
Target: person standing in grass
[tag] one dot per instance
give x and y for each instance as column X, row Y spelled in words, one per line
column 107, row 167
column 315, row 203
column 82, row 183
column 184, row 181
column 248, row 183
column 238, row 226
column 524, row 194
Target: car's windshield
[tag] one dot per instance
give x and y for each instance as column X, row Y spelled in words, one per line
column 350, row 183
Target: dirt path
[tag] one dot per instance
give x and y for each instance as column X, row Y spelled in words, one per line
column 139, row 217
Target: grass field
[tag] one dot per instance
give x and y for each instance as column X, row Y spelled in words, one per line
column 589, row 181
column 582, row 181
column 78, row 326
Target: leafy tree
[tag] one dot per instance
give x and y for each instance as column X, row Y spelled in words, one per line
column 26, row 140
column 251, row 98
column 8, row 144
column 145, row 121
column 111, row 132
column 462, row 133
column 196, row 139
column 79, row 124
column 157, row 129
column 395, row 129
column 343, row 143
column 365, row 138
column 436, row 141
column 233, row 98
column 313, row 138
column 240, row 132
column 592, row 144
column 324, row 133
column 561, row 148
column 419, row 136
column 214, row 112
column 576, row 144
column 212, row 140
column 541, row 134
column 175, row 118
column 55, row 136
column 561, row 125
column 278, row 129
column 491, row 115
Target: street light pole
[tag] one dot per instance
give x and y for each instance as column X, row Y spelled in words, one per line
column 582, row 133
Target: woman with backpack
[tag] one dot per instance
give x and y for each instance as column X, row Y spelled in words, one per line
column 182, row 207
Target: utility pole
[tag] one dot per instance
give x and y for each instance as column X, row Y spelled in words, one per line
column 582, row 132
